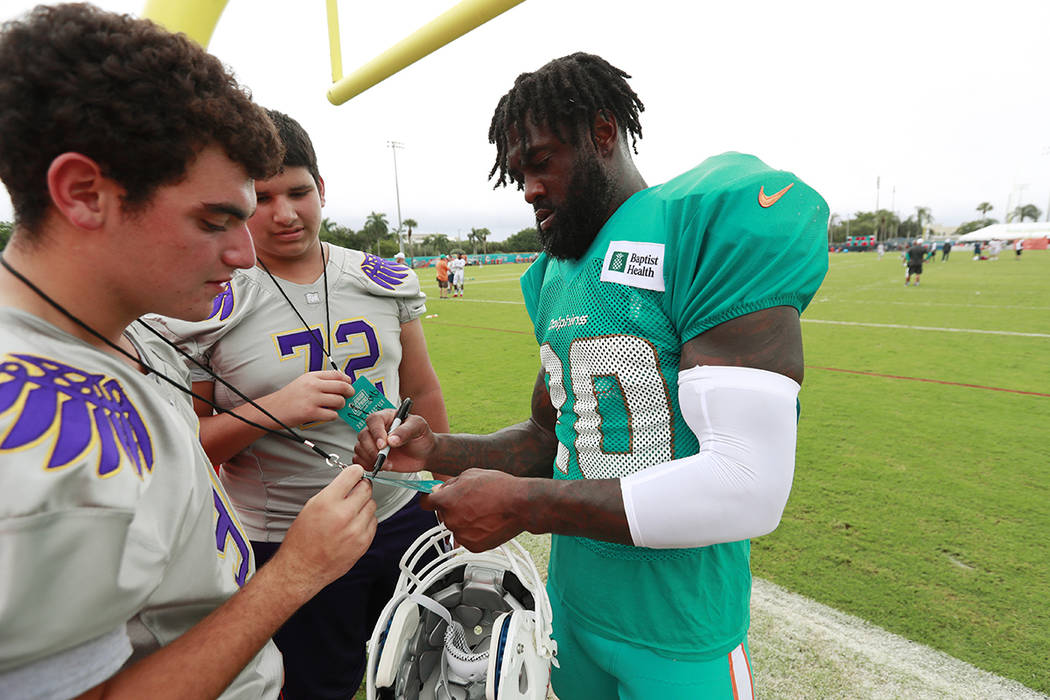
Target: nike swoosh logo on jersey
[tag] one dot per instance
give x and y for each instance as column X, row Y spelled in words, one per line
column 766, row 202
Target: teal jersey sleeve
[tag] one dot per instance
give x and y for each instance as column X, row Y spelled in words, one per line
column 531, row 283
column 742, row 237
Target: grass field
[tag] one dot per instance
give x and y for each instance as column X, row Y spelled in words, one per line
column 922, row 492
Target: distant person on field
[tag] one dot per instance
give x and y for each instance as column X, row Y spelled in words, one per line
column 881, row 250
column 946, row 248
column 442, row 276
column 994, row 248
column 457, row 267
column 915, row 254
column 976, row 250
column 1018, row 248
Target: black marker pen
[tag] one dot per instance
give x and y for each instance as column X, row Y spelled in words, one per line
column 399, row 418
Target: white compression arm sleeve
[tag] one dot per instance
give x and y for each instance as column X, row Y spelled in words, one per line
column 736, row 487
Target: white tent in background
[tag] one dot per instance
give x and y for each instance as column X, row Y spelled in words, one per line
column 1008, row 232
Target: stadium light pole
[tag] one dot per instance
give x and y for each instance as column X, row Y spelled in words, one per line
column 394, row 145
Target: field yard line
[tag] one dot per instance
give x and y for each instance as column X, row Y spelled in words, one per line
column 865, row 287
column 484, row 328
column 926, row 328
column 491, row 279
column 804, row 649
column 931, row 381
column 486, row 301
column 846, row 323
column 868, row 302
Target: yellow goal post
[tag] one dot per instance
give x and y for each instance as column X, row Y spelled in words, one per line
column 197, row 19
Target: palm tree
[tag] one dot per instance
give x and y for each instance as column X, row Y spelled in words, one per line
column 478, row 235
column 1027, row 211
column 375, row 228
column 410, row 224
column 922, row 213
column 984, row 208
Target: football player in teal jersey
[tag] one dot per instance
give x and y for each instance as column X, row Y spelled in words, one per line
column 663, row 426
column 129, row 154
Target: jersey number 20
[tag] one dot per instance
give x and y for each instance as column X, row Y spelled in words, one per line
column 631, row 364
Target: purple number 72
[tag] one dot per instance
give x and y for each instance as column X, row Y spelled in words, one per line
column 313, row 340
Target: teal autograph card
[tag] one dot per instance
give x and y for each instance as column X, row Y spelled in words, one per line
column 367, row 399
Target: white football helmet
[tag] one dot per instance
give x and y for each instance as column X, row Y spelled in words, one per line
column 464, row 626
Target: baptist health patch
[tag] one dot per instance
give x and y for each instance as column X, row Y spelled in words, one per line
column 635, row 264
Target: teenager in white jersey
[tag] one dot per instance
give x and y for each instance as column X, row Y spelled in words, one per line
column 277, row 333
column 126, row 572
column 662, row 434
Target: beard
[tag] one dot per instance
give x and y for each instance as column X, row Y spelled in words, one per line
column 585, row 210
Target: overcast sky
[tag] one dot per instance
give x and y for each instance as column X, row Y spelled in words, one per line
column 948, row 106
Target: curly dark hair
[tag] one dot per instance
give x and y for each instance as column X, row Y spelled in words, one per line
column 298, row 148
column 564, row 96
column 139, row 100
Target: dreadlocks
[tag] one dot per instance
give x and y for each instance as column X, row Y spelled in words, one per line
column 564, row 96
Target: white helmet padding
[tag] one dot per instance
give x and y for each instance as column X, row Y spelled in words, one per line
column 465, row 626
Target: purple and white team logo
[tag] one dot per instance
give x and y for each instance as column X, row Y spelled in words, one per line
column 223, row 304
column 386, row 274
column 76, row 411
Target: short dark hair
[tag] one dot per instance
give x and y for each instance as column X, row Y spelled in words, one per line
column 298, row 148
column 564, row 96
column 140, row 101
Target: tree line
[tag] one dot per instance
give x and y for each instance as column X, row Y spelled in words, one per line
column 887, row 225
column 377, row 237
column 883, row 224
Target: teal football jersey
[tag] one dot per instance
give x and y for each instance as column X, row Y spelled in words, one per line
column 728, row 238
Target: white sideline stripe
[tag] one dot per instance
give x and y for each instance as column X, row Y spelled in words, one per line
column 926, row 328
column 871, row 663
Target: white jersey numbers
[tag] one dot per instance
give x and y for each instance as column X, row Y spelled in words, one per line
column 623, row 414
column 556, row 389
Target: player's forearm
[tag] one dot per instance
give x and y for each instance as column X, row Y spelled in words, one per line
column 430, row 404
column 525, row 449
column 591, row 508
column 223, row 435
column 205, row 660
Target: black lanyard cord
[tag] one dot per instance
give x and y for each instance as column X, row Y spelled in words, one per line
column 327, row 315
column 290, row 435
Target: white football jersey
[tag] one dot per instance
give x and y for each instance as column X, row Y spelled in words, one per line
column 255, row 341
column 111, row 518
column 456, row 268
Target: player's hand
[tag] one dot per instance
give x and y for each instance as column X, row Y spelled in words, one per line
column 480, row 506
column 410, row 443
column 310, row 398
column 333, row 530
